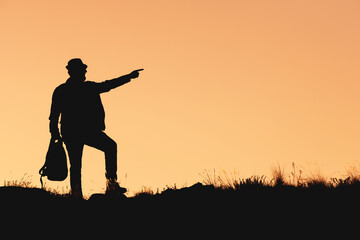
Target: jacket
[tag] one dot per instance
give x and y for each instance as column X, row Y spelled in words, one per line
column 79, row 104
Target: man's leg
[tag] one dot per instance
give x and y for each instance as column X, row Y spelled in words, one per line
column 75, row 150
column 103, row 142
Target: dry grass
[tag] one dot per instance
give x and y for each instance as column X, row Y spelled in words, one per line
column 24, row 182
column 223, row 180
column 281, row 177
column 353, row 173
column 144, row 192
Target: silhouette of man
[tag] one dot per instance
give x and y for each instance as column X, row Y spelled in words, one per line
column 83, row 122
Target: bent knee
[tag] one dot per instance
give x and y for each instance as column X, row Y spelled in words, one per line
column 112, row 145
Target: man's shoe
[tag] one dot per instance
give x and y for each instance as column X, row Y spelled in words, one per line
column 113, row 187
column 76, row 192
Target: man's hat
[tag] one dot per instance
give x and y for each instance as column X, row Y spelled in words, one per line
column 75, row 63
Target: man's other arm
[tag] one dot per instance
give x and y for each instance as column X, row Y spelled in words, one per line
column 54, row 115
column 116, row 82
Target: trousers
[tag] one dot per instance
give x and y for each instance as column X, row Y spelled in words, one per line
column 75, row 142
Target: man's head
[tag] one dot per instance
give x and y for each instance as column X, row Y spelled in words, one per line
column 77, row 69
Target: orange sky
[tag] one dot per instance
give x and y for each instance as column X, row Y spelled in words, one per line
column 233, row 85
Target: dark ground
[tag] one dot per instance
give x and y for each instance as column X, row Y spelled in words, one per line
column 280, row 199
column 276, row 211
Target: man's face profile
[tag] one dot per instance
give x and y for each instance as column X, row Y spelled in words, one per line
column 78, row 73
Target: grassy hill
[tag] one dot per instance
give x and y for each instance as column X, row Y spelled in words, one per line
column 248, row 206
column 237, row 192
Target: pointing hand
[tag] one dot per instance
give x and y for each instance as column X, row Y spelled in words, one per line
column 135, row 74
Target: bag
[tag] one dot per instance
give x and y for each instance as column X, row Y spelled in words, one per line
column 55, row 167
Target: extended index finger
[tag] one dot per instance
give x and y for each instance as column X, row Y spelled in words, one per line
column 141, row 69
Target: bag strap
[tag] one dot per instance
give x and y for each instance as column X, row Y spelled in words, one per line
column 42, row 174
column 41, row 181
column 42, row 169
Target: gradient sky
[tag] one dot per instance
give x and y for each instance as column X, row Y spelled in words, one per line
column 228, row 85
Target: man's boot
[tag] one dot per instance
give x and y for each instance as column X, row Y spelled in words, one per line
column 113, row 188
column 76, row 191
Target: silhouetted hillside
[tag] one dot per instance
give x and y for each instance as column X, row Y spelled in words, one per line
column 249, row 206
column 249, row 192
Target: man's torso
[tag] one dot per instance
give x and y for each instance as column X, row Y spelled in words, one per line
column 80, row 106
